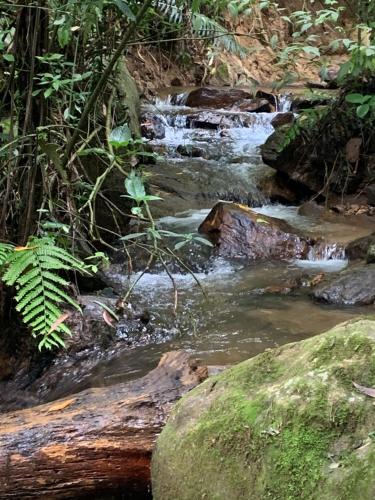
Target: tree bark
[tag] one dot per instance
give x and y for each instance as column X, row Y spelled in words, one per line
column 97, row 441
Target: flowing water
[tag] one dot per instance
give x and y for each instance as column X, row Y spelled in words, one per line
column 236, row 319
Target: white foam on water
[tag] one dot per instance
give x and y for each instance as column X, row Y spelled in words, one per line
column 191, row 219
column 328, row 266
column 149, row 282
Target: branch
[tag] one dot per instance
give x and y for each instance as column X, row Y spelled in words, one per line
column 102, row 83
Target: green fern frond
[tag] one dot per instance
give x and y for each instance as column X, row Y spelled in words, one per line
column 40, row 291
column 169, row 8
column 206, row 27
column 5, row 252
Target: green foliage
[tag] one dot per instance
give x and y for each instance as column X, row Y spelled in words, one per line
column 40, row 290
column 305, row 123
column 365, row 104
column 134, row 185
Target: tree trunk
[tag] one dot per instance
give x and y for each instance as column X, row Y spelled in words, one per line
column 98, row 441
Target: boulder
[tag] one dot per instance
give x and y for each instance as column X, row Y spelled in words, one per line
column 240, row 232
column 206, row 97
column 282, row 119
column 286, row 424
column 286, row 157
column 254, row 106
column 358, row 249
column 352, row 287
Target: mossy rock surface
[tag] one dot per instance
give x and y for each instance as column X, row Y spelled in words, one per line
column 287, row 424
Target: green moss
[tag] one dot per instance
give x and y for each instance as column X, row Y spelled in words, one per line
column 271, row 427
column 297, row 462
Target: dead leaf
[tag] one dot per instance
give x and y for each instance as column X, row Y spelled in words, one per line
column 59, row 320
column 21, row 249
column 61, row 405
column 368, row 391
column 353, row 149
column 108, row 319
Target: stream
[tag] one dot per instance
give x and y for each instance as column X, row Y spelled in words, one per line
column 236, row 320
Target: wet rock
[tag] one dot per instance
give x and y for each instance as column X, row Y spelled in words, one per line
column 352, row 287
column 206, row 97
column 277, row 189
column 152, row 127
column 254, row 106
column 370, row 257
column 303, row 102
column 271, row 98
column 285, row 418
column 192, row 151
column 209, row 120
column 282, row 119
column 239, row 232
column 311, row 209
column 358, row 249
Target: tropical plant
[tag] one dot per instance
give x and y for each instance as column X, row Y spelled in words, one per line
column 34, row 270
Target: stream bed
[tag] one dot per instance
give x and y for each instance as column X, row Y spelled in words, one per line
column 235, row 318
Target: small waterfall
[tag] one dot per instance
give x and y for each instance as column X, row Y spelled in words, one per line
column 284, row 103
column 326, row 251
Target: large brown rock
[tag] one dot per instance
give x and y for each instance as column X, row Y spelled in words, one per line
column 242, row 233
column 206, row 97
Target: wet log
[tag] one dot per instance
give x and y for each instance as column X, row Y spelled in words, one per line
column 95, row 442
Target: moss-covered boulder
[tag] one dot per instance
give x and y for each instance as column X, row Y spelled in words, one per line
column 287, row 424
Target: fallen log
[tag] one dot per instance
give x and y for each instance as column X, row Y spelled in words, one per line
column 95, row 442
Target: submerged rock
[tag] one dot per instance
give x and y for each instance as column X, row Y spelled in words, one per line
column 286, row 424
column 206, row 97
column 242, row 233
column 352, row 287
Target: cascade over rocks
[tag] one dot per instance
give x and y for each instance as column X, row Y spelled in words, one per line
column 242, row 233
column 352, row 287
column 286, row 424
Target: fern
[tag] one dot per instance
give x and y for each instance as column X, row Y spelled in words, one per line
column 5, row 251
column 206, row 27
column 169, row 8
column 40, row 291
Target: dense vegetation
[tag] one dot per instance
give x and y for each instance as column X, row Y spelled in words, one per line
column 58, row 112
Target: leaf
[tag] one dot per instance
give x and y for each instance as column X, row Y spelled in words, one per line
column 9, row 57
column 180, row 244
column 110, row 316
column 134, row 186
column 59, row 321
column 368, row 391
column 314, row 51
column 108, row 319
column 132, row 236
column 363, row 110
column 120, row 137
column 123, row 6
column 61, row 405
column 355, row 98
column 203, row 241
